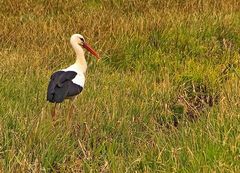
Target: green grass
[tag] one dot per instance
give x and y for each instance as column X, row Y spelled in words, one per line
column 164, row 98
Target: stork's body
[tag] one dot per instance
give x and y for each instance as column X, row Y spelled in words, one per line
column 69, row 82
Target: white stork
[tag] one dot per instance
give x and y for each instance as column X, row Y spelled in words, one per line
column 69, row 82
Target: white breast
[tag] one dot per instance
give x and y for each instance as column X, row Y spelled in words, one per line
column 79, row 78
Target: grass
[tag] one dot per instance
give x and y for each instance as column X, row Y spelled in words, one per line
column 164, row 98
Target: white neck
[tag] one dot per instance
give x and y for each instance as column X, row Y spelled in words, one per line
column 81, row 62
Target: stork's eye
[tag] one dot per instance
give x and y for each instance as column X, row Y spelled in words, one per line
column 82, row 39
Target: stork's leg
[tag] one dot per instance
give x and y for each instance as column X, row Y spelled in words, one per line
column 53, row 112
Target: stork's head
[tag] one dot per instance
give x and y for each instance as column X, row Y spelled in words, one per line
column 79, row 39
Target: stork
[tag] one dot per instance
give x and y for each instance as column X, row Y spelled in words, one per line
column 69, row 82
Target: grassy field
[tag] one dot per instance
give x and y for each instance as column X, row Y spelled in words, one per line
column 165, row 96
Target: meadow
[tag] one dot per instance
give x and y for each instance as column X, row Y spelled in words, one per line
column 165, row 96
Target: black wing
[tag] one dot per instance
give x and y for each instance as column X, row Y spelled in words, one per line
column 61, row 86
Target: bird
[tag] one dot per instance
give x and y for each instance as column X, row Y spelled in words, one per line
column 69, row 82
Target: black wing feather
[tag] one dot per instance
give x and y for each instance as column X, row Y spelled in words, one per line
column 61, row 86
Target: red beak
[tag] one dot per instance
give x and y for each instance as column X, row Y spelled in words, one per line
column 91, row 50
